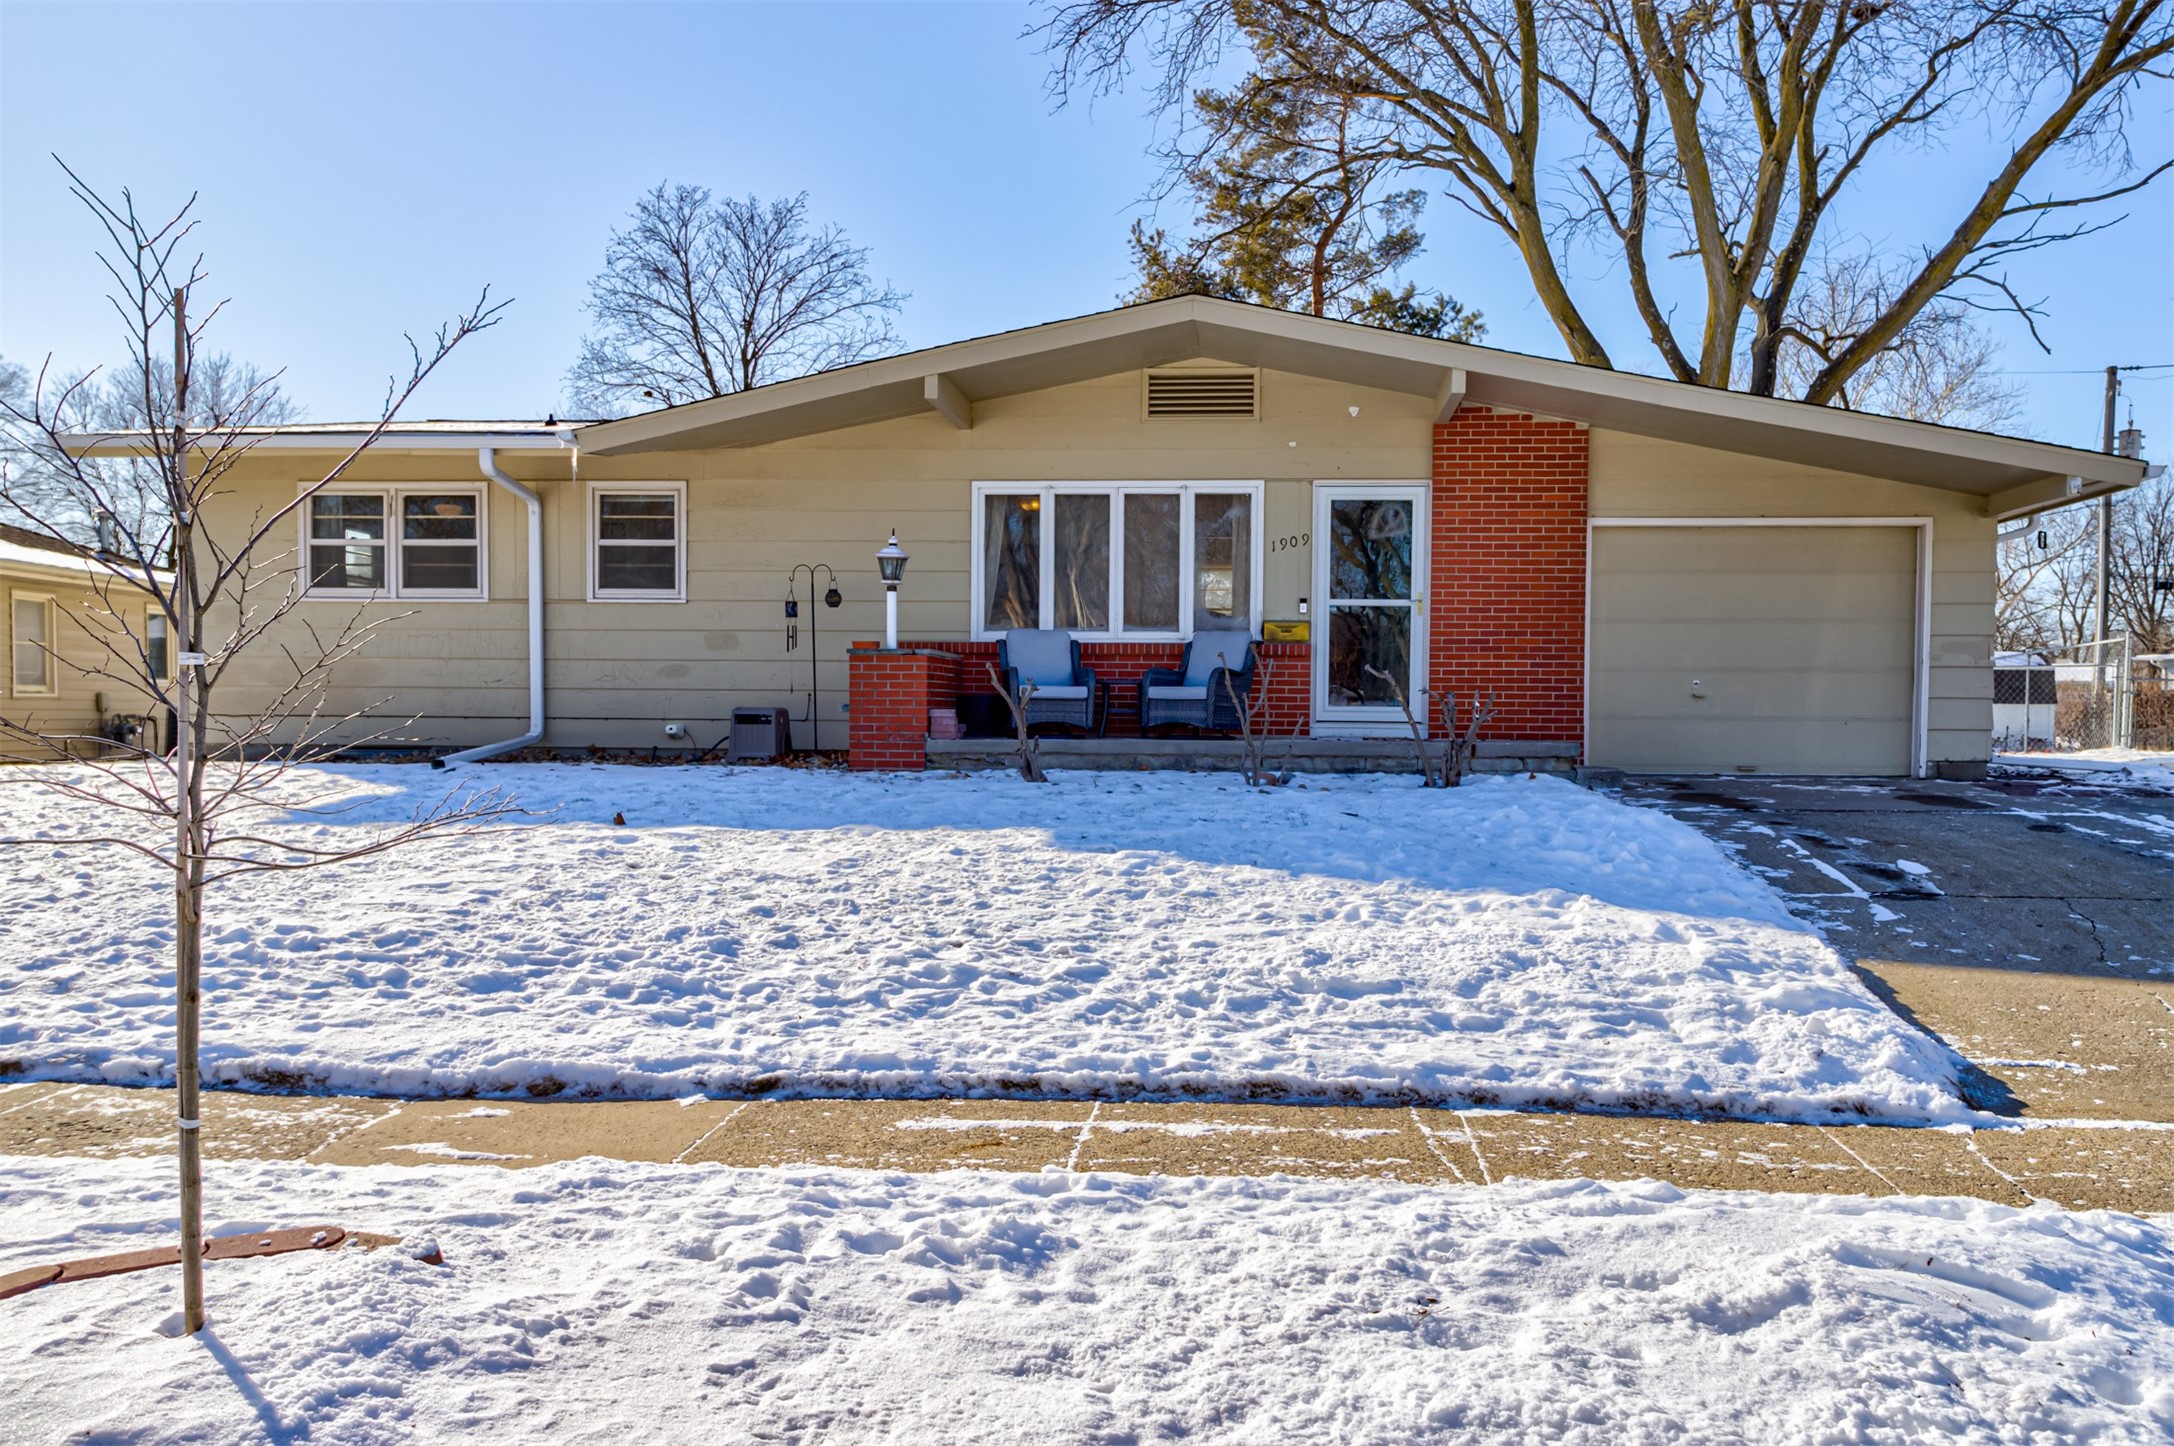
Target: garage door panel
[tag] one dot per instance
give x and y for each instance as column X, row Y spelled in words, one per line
column 1748, row 694
column 1673, row 746
column 1780, row 649
column 1749, row 642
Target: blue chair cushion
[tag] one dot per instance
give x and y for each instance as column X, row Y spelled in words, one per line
column 1051, row 692
column 1223, row 649
column 1167, row 693
column 1042, row 655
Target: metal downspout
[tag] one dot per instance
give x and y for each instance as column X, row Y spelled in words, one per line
column 486, row 460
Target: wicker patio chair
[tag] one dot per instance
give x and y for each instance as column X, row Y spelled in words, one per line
column 1064, row 690
column 1193, row 692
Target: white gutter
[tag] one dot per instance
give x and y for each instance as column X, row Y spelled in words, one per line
column 485, row 460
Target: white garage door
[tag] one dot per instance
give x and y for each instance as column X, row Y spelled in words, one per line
column 1753, row 649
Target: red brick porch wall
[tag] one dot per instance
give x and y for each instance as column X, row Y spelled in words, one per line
column 1507, row 616
column 892, row 693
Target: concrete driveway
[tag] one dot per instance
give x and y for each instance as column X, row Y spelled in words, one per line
column 2027, row 920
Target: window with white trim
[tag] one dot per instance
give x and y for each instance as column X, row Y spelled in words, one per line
column 30, row 627
column 424, row 541
column 158, row 647
column 637, row 542
column 1133, row 561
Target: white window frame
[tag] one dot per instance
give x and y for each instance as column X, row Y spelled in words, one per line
column 592, row 539
column 155, row 616
column 15, row 643
column 394, row 495
column 1186, row 490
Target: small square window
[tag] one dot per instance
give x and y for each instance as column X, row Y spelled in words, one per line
column 346, row 542
column 637, row 545
column 439, row 549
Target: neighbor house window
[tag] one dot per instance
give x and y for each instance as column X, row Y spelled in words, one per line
column 638, row 543
column 403, row 542
column 31, row 621
column 158, row 646
column 1139, row 561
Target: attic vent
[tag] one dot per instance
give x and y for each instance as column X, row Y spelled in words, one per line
column 1203, row 394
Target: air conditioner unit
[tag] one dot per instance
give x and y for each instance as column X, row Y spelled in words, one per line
column 759, row 733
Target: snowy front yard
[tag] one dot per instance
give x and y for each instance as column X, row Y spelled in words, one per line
column 1514, row 941
column 643, row 1303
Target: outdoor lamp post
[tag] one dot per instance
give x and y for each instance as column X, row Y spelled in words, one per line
column 891, row 563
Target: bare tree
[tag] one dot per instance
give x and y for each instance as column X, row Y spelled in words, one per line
column 1940, row 367
column 200, row 813
column 1721, row 136
column 121, row 400
column 702, row 297
column 1252, row 732
column 1029, row 756
column 1429, row 777
column 2047, row 598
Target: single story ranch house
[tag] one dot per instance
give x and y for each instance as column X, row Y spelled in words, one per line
column 1641, row 574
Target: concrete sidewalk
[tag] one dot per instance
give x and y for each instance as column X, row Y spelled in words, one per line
column 2075, row 1166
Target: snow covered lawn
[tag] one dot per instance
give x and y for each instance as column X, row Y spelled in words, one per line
column 644, row 1303
column 1514, row 941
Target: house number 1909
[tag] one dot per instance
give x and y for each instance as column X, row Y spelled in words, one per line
column 1285, row 544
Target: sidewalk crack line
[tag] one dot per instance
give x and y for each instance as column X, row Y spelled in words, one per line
column 1072, row 1165
column 1486, row 1175
column 1436, row 1145
column 732, row 1115
column 1862, row 1161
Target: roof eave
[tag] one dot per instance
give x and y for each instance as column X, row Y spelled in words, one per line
column 1980, row 464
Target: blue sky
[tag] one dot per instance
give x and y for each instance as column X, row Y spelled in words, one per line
column 364, row 169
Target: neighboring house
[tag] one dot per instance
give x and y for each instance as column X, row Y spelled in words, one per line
column 61, row 629
column 1644, row 574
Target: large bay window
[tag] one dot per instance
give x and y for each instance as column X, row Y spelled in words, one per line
column 1141, row 561
column 400, row 542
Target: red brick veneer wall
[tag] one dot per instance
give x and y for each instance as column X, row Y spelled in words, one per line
column 892, row 693
column 1507, row 610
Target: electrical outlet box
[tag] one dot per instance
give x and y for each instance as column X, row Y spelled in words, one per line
column 675, row 730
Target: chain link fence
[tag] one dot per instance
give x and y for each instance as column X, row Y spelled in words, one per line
column 2100, row 695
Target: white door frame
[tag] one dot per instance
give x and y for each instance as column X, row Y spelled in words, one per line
column 1376, row 722
column 1921, row 660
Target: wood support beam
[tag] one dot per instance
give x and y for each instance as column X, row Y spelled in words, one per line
column 1450, row 395
column 947, row 401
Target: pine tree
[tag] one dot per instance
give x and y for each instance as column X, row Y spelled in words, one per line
column 1291, row 213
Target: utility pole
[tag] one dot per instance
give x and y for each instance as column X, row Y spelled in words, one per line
column 2106, row 516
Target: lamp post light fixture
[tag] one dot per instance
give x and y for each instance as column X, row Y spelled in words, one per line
column 891, row 563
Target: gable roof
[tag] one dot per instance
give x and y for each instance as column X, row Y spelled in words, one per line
column 2014, row 475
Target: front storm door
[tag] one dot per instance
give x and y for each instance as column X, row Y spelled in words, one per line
column 1370, row 568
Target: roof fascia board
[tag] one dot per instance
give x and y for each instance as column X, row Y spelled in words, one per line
column 126, row 444
column 966, row 362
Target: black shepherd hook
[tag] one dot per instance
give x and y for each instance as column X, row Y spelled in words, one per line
column 831, row 598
